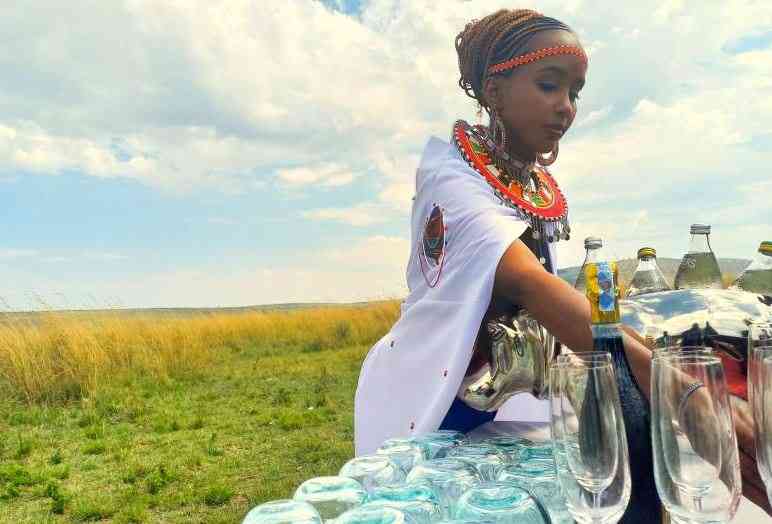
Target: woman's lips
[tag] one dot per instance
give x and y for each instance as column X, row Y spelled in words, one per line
column 555, row 133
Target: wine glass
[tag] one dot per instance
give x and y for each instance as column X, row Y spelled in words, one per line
column 696, row 463
column 764, row 425
column 589, row 440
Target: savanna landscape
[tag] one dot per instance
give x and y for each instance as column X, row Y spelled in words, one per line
column 177, row 417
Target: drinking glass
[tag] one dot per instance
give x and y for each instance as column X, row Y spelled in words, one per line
column 589, row 440
column 439, row 443
column 540, row 479
column 501, row 502
column 510, row 445
column 365, row 515
column 372, row 471
column 283, row 512
column 403, row 452
column 764, row 428
column 696, row 463
column 331, row 496
column 418, row 511
column 448, row 477
column 486, row 459
column 759, row 347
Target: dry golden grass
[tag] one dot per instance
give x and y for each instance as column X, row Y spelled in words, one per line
column 62, row 355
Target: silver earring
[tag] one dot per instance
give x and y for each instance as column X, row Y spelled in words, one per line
column 548, row 161
column 498, row 131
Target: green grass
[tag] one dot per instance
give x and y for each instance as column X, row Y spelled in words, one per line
column 205, row 448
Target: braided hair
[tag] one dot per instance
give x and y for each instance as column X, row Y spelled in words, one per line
column 494, row 39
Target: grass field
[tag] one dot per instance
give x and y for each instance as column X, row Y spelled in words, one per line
column 233, row 410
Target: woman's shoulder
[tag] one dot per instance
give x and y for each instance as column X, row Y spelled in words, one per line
column 442, row 163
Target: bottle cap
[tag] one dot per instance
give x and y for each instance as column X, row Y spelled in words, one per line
column 700, row 229
column 766, row 247
column 593, row 242
column 647, row 252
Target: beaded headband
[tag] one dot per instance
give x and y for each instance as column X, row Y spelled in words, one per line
column 533, row 56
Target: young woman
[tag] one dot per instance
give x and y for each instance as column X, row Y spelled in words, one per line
column 485, row 219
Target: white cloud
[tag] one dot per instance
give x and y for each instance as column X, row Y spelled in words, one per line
column 360, row 215
column 234, row 95
column 10, row 253
column 367, row 269
column 325, row 175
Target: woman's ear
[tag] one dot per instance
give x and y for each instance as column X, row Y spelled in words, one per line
column 492, row 92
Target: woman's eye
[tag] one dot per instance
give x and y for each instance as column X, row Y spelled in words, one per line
column 547, row 87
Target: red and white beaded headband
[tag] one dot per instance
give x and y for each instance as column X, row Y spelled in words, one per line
column 533, row 56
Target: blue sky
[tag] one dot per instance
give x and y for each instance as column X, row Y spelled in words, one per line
column 226, row 153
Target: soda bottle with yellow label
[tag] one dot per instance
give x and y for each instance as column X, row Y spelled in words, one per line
column 602, row 291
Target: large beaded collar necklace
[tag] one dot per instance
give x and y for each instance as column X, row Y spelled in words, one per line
column 527, row 188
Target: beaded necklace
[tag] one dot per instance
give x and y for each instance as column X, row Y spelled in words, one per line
column 527, row 188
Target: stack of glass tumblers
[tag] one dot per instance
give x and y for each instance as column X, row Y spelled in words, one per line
column 438, row 477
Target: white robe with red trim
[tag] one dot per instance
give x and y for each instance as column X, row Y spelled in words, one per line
column 411, row 376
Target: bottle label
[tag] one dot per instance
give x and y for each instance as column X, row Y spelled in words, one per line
column 606, row 288
column 602, row 292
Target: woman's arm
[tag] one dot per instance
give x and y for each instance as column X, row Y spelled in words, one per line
column 560, row 308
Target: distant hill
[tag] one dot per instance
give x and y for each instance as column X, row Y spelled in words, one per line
column 669, row 266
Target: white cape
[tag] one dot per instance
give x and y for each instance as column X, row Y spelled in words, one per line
column 411, row 376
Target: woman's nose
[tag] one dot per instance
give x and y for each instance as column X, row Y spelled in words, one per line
column 564, row 105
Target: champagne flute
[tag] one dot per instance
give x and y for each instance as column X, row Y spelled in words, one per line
column 590, row 445
column 764, row 425
column 696, row 463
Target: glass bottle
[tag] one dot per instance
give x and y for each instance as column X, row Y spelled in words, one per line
column 648, row 277
column 590, row 244
column 602, row 291
column 757, row 277
column 699, row 267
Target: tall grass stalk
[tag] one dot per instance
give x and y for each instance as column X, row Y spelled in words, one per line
column 57, row 356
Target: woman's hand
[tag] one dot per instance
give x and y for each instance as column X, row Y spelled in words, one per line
column 753, row 486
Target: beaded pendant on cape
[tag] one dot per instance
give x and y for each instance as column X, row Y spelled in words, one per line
column 542, row 205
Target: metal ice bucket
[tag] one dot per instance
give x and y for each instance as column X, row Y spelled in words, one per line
column 522, row 350
column 711, row 317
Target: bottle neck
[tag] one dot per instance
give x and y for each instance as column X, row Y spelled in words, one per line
column 594, row 255
column 700, row 243
column 646, row 264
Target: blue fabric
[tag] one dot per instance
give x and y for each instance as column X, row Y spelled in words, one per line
column 461, row 417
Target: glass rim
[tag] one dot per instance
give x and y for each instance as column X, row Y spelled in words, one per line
column 694, row 357
column 682, row 350
column 584, row 355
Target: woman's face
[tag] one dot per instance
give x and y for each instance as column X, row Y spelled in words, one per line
column 538, row 100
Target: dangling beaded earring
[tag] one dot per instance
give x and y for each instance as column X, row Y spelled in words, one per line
column 498, row 132
column 548, row 161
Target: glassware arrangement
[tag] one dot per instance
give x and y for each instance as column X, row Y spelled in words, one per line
column 696, row 462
